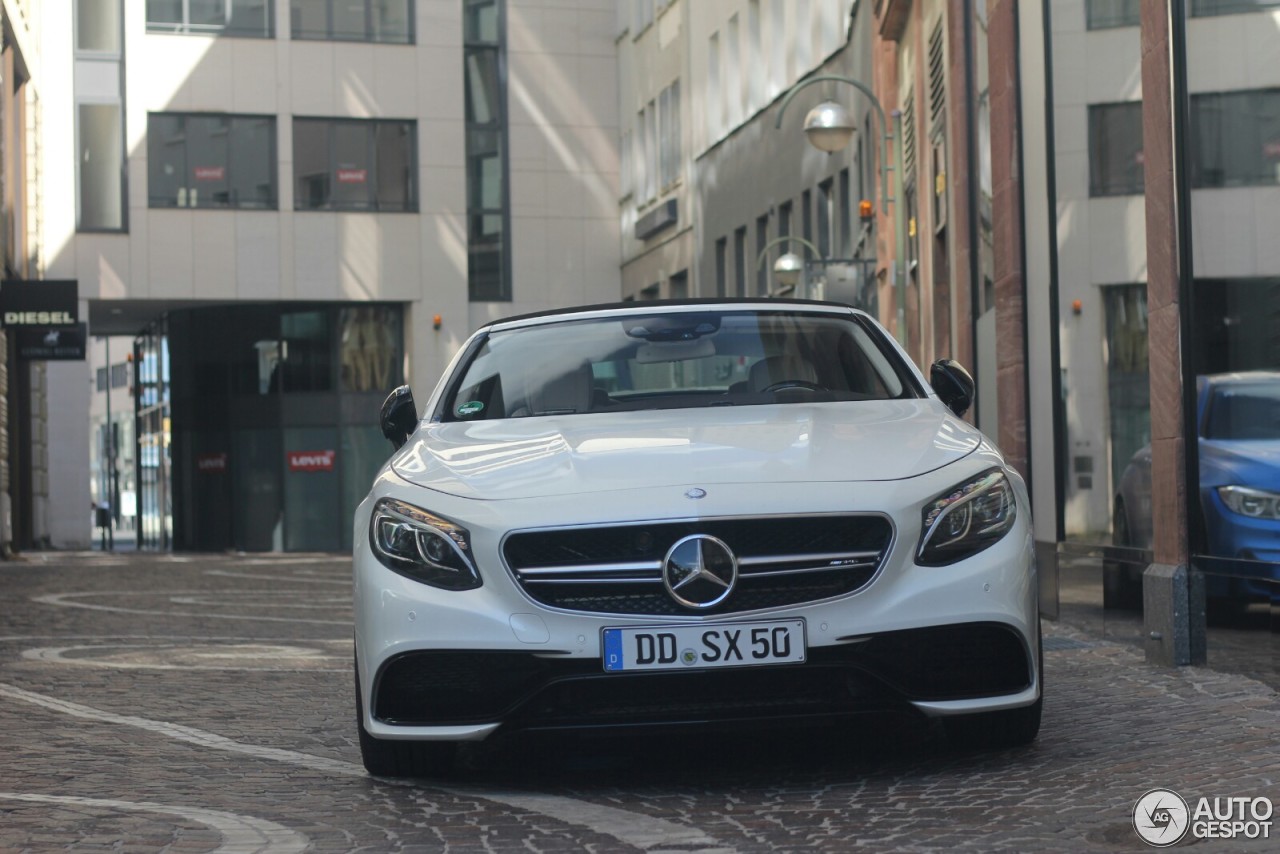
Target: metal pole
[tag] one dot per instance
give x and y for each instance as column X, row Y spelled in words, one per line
column 109, row 487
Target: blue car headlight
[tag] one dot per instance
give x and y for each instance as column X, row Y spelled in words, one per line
column 966, row 519
column 422, row 546
column 1254, row 503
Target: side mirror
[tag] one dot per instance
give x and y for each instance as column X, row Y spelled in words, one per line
column 399, row 416
column 953, row 384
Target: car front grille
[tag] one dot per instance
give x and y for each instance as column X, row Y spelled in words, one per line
column 782, row 561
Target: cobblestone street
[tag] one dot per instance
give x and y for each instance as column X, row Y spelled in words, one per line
column 191, row 704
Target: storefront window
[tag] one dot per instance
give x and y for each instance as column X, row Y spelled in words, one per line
column 369, row 347
column 306, row 359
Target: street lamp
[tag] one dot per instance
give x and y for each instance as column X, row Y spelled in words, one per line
column 829, row 126
column 788, row 267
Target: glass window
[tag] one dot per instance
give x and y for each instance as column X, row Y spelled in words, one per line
column 102, row 379
column 305, row 351
column 211, row 160
column 369, row 347
column 241, row 18
column 1105, row 14
column 825, row 202
column 1235, row 139
column 354, row 165
column 740, row 262
column 847, row 203
column 386, row 21
column 669, row 154
column 101, row 167
column 762, row 269
column 806, row 215
column 312, row 496
column 98, row 26
column 722, row 261
column 487, row 193
column 1115, row 149
column 1230, row 7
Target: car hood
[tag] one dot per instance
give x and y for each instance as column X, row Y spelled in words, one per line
column 567, row 455
column 1253, row 463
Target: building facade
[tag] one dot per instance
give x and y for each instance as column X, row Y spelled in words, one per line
column 286, row 208
column 24, row 423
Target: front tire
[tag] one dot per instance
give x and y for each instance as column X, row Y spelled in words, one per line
column 1120, row 589
column 1005, row 728
column 996, row 730
column 387, row 758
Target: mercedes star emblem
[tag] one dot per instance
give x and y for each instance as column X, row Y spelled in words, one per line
column 700, row 571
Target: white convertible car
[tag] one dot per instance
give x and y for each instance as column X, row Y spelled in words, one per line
column 687, row 513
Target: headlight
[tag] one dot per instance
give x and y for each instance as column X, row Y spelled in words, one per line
column 422, row 546
column 1254, row 503
column 967, row 519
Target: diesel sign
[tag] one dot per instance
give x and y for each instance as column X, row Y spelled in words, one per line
column 39, row 318
column 43, row 303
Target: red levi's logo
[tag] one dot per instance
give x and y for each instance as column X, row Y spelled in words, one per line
column 311, row 460
column 353, row 176
column 210, row 173
column 214, row 463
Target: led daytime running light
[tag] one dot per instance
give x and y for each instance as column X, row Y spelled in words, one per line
column 422, row 546
column 967, row 519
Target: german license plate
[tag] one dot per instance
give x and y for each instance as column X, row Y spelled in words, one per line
column 641, row 648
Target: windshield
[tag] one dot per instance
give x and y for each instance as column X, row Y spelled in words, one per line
column 672, row 360
column 1242, row 411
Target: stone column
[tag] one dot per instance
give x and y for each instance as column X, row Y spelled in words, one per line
column 1173, row 596
column 1006, row 205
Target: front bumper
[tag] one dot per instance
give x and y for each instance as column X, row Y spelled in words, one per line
column 446, row 665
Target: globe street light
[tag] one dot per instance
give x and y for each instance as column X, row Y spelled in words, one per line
column 829, row 126
column 788, row 267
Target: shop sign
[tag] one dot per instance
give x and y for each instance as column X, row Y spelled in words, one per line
column 353, row 176
column 46, row 302
column 52, row 344
column 311, row 460
column 215, row 463
column 210, row 173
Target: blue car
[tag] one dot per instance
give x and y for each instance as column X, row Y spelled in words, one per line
column 1238, row 422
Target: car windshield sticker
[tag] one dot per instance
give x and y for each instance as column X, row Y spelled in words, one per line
column 469, row 408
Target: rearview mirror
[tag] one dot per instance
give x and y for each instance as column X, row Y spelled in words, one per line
column 399, row 416
column 953, row 384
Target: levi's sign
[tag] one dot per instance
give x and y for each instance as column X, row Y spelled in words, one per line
column 311, row 460
column 46, row 302
column 214, row 463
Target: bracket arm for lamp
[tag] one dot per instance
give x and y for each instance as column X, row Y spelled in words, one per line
column 831, row 120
